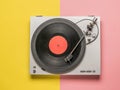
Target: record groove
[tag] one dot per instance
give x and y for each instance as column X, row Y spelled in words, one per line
column 49, row 61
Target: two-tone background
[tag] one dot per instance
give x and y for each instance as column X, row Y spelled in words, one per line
column 14, row 44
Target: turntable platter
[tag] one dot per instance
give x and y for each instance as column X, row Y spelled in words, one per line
column 53, row 41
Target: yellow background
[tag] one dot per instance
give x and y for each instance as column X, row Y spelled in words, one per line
column 14, row 44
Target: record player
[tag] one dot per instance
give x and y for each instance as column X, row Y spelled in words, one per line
column 66, row 45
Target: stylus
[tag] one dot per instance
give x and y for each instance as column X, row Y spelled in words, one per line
column 69, row 57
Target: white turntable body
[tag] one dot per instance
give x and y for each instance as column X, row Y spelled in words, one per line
column 91, row 62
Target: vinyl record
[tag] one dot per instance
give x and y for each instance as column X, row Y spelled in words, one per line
column 53, row 41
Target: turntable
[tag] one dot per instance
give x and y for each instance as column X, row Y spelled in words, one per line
column 65, row 45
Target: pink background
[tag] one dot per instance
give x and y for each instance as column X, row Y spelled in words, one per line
column 109, row 11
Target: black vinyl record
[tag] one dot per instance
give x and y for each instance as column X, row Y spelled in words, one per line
column 49, row 61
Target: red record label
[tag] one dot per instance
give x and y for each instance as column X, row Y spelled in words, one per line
column 58, row 45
